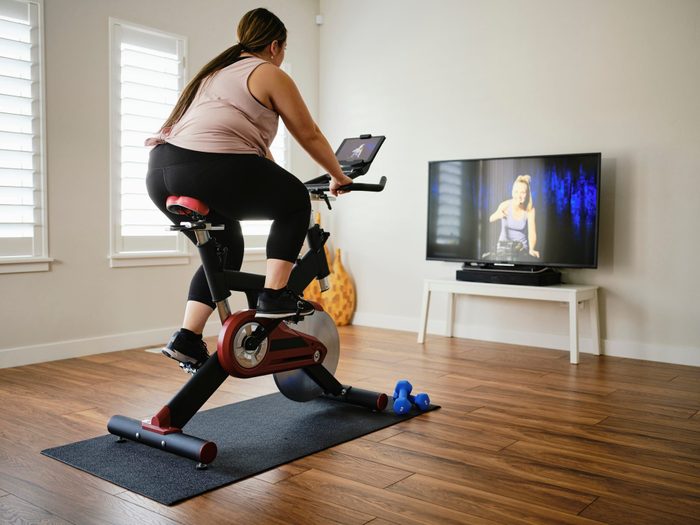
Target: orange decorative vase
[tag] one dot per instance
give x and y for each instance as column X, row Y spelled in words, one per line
column 339, row 300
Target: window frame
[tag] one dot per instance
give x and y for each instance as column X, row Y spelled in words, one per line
column 39, row 260
column 118, row 258
column 255, row 244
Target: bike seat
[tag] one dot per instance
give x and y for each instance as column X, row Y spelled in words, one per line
column 182, row 205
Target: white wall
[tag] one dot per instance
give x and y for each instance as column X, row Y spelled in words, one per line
column 487, row 78
column 83, row 306
column 442, row 79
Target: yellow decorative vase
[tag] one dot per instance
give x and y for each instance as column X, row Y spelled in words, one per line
column 339, row 300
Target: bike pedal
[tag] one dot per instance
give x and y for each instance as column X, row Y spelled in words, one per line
column 187, row 367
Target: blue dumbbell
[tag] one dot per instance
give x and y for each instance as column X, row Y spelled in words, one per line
column 402, row 404
column 422, row 401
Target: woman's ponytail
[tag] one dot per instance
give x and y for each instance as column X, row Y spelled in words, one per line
column 228, row 57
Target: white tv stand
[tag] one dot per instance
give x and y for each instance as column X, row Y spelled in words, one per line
column 567, row 293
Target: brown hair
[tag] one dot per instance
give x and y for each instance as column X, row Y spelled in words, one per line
column 256, row 30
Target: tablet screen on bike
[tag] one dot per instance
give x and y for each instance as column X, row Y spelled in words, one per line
column 358, row 150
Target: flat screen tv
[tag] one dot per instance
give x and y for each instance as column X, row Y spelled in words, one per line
column 536, row 211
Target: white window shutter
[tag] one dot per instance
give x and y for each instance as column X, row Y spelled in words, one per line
column 22, row 174
column 148, row 74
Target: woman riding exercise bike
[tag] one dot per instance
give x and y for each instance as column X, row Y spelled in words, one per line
column 215, row 147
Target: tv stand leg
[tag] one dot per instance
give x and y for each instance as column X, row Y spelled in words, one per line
column 424, row 313
column 450, row 314
column 595, row 329
column 573, row 331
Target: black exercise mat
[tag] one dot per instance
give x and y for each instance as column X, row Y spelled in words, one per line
column 252, row 436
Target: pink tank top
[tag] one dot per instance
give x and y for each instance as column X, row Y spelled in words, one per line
column 224, row 117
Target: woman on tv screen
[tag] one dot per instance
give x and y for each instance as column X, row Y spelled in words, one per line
column 518, row 230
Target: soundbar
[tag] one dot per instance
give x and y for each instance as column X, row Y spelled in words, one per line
column 540, row 277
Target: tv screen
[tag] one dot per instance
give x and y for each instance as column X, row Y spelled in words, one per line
column 534, row 211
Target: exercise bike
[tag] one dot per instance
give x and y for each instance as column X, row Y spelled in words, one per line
column 300, row 352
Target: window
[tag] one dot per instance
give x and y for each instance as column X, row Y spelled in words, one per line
column 280, row 145
column 23, row 232
column 147, row 76
column 255, row 232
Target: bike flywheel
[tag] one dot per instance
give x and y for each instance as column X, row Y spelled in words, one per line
column 295, row 384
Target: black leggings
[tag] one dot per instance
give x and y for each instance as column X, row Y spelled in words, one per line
column 236, row 187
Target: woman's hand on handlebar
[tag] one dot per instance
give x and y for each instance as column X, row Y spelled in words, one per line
column 337, row 183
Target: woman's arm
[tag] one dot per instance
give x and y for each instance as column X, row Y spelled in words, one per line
column 286, row 100
column 532, row 233
column 500, row 212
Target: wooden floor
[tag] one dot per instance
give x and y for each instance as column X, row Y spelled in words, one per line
column 523, row 437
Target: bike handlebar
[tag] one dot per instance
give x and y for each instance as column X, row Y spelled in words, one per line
column 355, row 186
column 363, row 186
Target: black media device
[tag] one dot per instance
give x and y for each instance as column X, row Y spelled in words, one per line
column 533, row 277
column 355, row 155
column 358, row 151
column 515, row 220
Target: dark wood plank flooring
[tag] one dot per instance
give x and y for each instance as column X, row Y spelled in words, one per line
column 523, row 437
